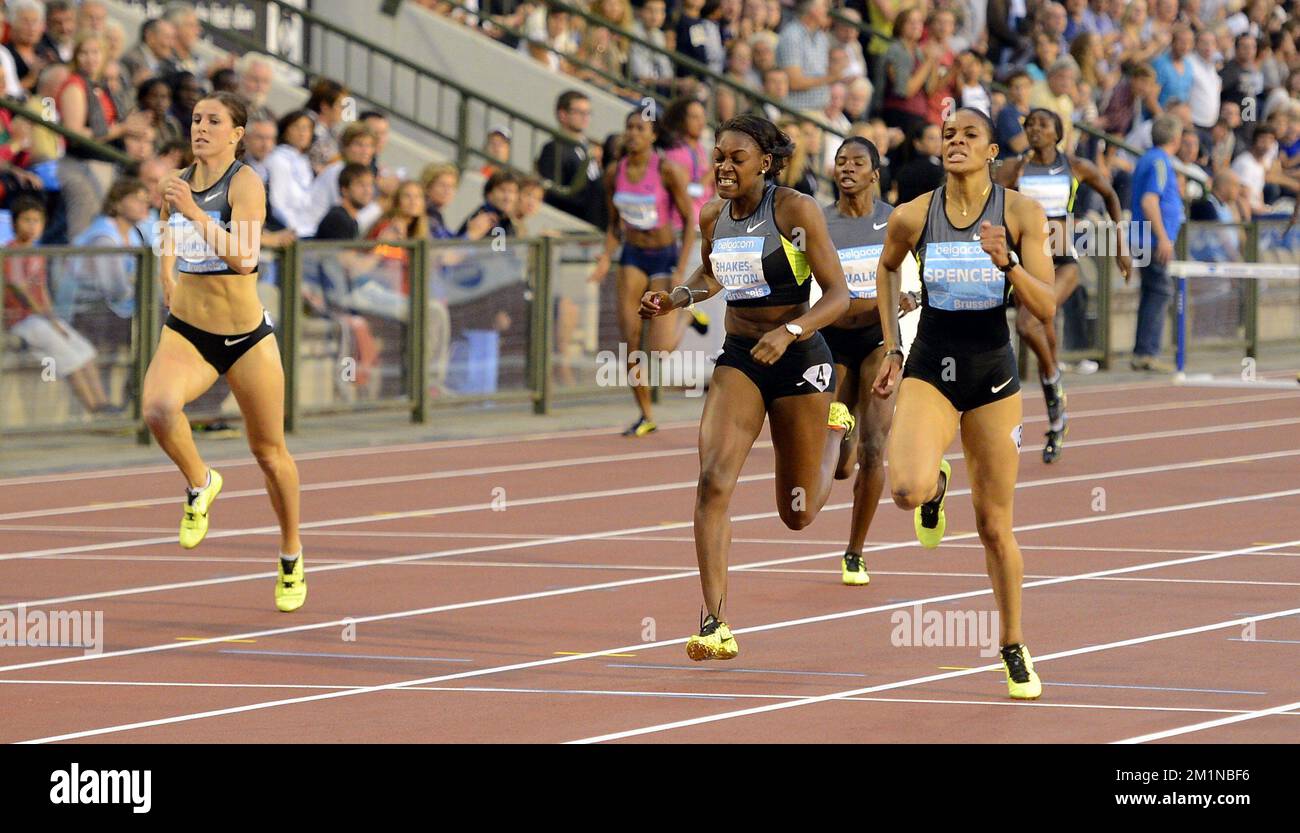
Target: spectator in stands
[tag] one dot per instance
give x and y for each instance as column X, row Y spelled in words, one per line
column 1223, row 205
column 187, row 91
column 1157, row 209
column 1010, row 120
column 225, row 80
column 176, row 153
column 189, row 30
column 551, row 38
column 1047, row 50
column 356, row 190
column 648, row 68
column 527, row 205
column 110, row 279
column 388, row 286
column 255, row 78
column 357, row 146
column 497, row 149
column 699, row 38
column 857, row 99
column 908, row 68
column 86, row 108
column 29, row 313
column 141, row 143
column 940, row 26
column 500, row 194
column 800, row 171
column 1136, row 41
column 1135, row 100
column 776, row 86
column 387, row 178
column 259, row 141
column 845, row 36
column 574, row 177
column 1094, row 76
column 439, row 181
column 1259, row 167
column 1206, row 83
column 804, row 52
column 60, row 29
column 1006, row 41
column 762, row 54
column 1243, row 81
column 1058, row 94
column 92, row 16
column 291, row 175
column 154, row 98
column 154, row 54
column 26, row 31
column 1174, row 68
column 327, row 104
column 1287, row 95
column 922, row 172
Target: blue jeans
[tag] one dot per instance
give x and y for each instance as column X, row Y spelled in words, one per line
column 1157, row 290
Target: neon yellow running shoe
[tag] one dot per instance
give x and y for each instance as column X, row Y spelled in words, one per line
column 699, row 320
column 1022, row 682
column 853, row 569
column 714, row 641
column 929, row 519
column 840, row 418
column 290, row 589
column 640, row 428
column 194, row 523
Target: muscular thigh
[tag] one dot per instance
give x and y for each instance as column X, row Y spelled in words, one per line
column 990, row 437
column 1067, row 280
column 257, row 381
column 632, row 284
column 177, row 372
column 927, row 424
column 873, row 413
column 732, row 419
column 799, row 436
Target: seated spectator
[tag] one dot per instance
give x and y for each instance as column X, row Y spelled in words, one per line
column 358, row 147
column 1058, row 94
column 16, row 157
column 189, row 30
column 923, row 171
column 497, row 148
column 966, row 85
column 176, row 153
column 908, row 68
column 845, row 36
column 386, row 178
column 1174, row 68
column 187, row 90
column 699, row 37
column 1259, row 168
column 1134, row 100
column 225, row 80
column 110, row 280
column 259, row 141
column 154, row 98
column 857, row 99
column 326, row 104
column 152, row 174
column 92, row 16
column 154, row 55
column 776, row 86
column 60, row 29
column 439, row 181
column 551, row 37
column 290, row 175
column 29, row 313
column 1224, row 205
column 645, row 67
column 140, row 144
column 500, row 193
column 255, row 76
column 26, row 46
column 527, row 205
column 386, row 289
column 86, row 108
column 800, row 171
column 572, row 172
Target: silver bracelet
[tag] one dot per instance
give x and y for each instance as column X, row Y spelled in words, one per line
column 690, row 298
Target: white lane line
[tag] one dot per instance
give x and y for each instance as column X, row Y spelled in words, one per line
column 915, row 681
column 641, row 646
column 1210, row 724
column 483, row 471
column 619, row 692
column 610, row 534
column 381, row 517
column 399, row 448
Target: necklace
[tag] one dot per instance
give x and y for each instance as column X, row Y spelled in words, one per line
column 966, row 211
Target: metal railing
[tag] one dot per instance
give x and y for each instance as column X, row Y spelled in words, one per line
column 106, row 152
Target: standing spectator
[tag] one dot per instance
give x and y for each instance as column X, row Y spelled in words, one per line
column 574, row 175
column 26, row 45
column 1136, row 43
column 1006, row 41
column 1010, row 122
column 259, row 141
column 154, row 98
column 189, row 30
column 1242, row 79
column 92, row 16
column 1058, row 95
column 923, row 172
column 940, row 27
column 908, row 68
column 804, row 52
column 187, row 90
column 845, row 36
column 1135, row 100
column 327, row 103
column 776, row 86
column 60, row 29
column 87, row 109
column 699, row 38
column 291, row 175
column 154, row 55
column 254, row 84
column 1206, row 85
column 647, row 68
column 1174, row 68
column 1157, row 209
column 1258, row 167
column 29, row 313
column 800, row 169
column 968, row 88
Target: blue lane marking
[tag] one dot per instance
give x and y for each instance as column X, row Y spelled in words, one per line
column 1282, row 641
column 741, row 670
column 1158, row 688
column 335, row 656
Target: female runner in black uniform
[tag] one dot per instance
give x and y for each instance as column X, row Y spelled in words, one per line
column 856, row 223
column 975, row 241
column 760, row 242
column 213, row 213
column 1052, row 179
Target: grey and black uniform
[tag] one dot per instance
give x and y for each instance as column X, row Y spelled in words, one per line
column 859, row 242
column 195, row 257
column 963, row 344
column 1054, row 187
column 759, row 267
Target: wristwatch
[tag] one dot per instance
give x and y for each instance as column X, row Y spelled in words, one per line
column 1013, row 260
column 794, row 330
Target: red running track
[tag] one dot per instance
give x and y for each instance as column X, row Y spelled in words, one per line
column 540, row 589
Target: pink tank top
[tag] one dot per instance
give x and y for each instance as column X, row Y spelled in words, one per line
column 644, row 205
column 700, row 172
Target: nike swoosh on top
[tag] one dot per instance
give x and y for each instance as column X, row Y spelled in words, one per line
column 1001, row 386
column 976, row 237
column 1055, row 170
column 879, row 227
column 230, row 343
column 756, row 225
column 212, row 196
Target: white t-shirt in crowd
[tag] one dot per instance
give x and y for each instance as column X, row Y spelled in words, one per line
column 1204, row 96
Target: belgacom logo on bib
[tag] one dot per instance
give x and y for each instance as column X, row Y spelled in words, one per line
column 108, row 786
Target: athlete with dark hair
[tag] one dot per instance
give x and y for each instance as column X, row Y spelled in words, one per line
column 975, row 241
column 1051, row 177
column 762, row 246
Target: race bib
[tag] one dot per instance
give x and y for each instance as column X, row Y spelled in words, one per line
column 961, row 276
column 819, row 376
column 1051, row 191
column 637, row 210
column 191, row 249
column 695, row 190
column 738, row 266
column 859, row 265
